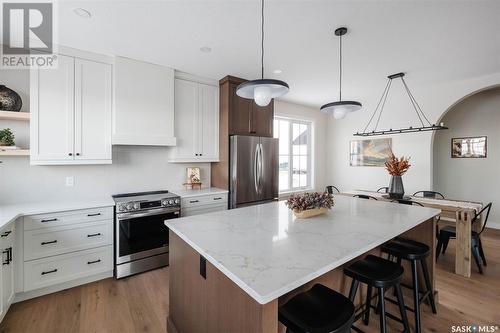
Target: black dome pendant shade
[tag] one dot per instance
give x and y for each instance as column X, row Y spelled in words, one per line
column 341, row 108
column 262, row 90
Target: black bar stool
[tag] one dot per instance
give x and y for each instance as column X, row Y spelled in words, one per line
column 382, row 274
column 318, row 310
column 415, row 252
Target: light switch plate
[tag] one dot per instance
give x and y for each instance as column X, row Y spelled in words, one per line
column 70, row 181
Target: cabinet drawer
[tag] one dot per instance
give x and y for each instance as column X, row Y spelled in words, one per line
column 48, row 242
column 49, row 271
column 204, row 200
column 67, row 218
column 7, row 233
column 202, row 210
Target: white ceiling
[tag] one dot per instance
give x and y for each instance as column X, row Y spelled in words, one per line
column 432, row 41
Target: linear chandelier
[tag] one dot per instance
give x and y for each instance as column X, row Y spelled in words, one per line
column 424, row 121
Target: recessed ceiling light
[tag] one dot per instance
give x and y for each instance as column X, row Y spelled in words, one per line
column 277, row 71
column 206, row 49
column 82, row 12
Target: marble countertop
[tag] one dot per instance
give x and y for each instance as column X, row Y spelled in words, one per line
column 10, row 212
column 199, row 192
column 267, row 252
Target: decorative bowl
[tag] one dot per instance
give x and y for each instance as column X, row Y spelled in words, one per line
column 304, row 214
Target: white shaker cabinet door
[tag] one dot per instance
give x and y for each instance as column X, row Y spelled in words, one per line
column 186, row 120
column 93, row 109
column 209, row 122
column 52, row 112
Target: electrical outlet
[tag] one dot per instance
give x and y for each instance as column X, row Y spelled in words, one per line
column 70, row 181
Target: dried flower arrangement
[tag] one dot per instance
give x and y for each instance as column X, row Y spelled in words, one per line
column 397, row 167
column 302, row 202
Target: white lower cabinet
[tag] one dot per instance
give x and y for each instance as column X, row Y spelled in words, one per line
column 203, row 204
column 7, row 267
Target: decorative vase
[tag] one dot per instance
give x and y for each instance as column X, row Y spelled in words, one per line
column 396, row 188
column 304, row 214
column 9, row 99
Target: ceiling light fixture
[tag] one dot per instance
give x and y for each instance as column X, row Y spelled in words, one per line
column 426, row 124
column 340, row 108
column 82, row 13
column 262, row 90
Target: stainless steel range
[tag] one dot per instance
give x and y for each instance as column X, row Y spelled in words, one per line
column 141, row 237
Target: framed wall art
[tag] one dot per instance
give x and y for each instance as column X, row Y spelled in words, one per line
column 372, row 152
column 469, row 147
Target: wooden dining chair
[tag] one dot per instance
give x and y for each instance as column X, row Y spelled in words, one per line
column 332, row 189
column 364, row 196
column 384, row 189
column 429, row 194
column 450, row 232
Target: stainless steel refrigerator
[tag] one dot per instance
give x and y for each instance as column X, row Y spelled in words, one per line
column 253, row 170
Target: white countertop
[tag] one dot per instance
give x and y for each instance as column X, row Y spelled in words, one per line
column 9, row 213
column 199, row 192
column 267, row 252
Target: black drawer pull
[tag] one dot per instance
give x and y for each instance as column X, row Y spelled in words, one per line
column 218, row 198
column 51, row 242
column 49, row 220
column 48, row 272
column 194, row 201
column 5, row 234
column 95, row 214
column 93, row 262
column 94, row 235
column 6, row 251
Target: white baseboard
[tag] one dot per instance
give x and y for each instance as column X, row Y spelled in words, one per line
column 22, row 296
column 493, row 225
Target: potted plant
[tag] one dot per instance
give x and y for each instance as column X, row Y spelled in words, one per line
column 306, row 205
column 397, row 168
column 6, row 137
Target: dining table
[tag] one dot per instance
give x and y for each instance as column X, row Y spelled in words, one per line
column 458, row 212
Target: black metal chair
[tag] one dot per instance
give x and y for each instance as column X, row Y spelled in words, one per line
column 332, row 189
column 449, row 232
column 382, row 274
column 384, row 189
column 408, row 202
column 320, row 309
column 429, row 194
column 364, row 196
column 416, row 253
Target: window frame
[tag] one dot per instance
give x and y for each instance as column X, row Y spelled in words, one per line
column 290, row 155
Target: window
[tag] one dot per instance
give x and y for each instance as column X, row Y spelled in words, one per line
column 294, row 153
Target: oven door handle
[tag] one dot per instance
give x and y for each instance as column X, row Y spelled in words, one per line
column 126, row 216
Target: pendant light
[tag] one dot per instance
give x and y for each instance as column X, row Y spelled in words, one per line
column 262, row 90
column 340, row 108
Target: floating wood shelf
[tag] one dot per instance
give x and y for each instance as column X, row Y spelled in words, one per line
column 15, row 152
column 10, row 115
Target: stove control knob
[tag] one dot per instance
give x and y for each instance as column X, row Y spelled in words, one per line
column 121, row 208
column 164, row 203
column 170, row 202
column 136, row 206
column 129, row 206
column 176, row 201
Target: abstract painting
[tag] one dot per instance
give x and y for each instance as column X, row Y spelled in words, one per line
column 370, row 152
column 470, row 147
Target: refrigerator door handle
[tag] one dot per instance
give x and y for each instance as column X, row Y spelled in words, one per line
column 256, row 169
column 261, row 167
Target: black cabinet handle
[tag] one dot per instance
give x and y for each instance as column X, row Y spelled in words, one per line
column 6, row 251
column 194, row 201
column 94, row 235
column 48, row 272
column 218, row 198
column 51, row 242
column 70, row 154
column 10, row 254
column 77, row 154
column 201, row 154
column 94, row 214
column 93, row 262
column 203, row 267
column 5, row 234
column 49, row 220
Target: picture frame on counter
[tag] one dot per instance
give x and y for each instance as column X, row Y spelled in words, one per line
column 469, row 147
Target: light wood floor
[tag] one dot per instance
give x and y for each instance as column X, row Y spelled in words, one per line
column 140, row 303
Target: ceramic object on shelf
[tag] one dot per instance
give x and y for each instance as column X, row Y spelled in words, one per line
column 304, row 214
column 396, row 188
column 9, row 99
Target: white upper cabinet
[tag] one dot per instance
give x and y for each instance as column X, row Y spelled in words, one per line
column 196, row 122
column 144, row 104
column 71, row 111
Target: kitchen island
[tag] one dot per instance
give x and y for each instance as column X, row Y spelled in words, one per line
column 230, row 270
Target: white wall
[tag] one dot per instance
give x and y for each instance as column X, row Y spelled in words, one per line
column 476, row 179
column 435, row 98
column 319, row 121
